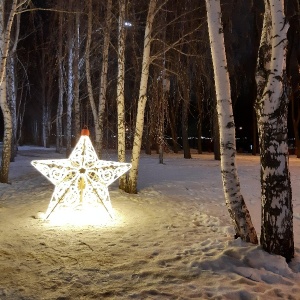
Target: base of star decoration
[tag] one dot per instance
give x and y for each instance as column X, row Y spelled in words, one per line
column 81, row 182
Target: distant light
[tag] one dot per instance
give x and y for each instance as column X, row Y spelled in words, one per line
column 81, row 184
column 128, row 24
column 240, row 128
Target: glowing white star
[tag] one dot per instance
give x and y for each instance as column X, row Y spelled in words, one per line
column 82, row 179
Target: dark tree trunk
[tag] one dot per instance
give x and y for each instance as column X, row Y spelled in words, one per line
column 199, row 141
column 199, row 124
column 173, row 128
column 254, row 134
column 184, row 124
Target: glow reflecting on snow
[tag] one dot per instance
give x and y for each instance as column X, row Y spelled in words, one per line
column 83, row 216
column 81, row 185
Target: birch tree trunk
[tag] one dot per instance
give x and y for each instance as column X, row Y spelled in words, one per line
column 70, row 94
column 88, row 76
column 59, row 113
column 77, row 77
column 12, row 102
column 120, row 90
column 5, row 32
column 131, row 185
column 12, row 89
column 272, row 111
column 231, row 185
column 7, row 117
column 7, row 138
column 103, row 77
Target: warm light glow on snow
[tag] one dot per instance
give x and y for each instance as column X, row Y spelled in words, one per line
column 85, row 215
column 81, row 184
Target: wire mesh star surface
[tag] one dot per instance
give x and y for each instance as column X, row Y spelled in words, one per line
column 82, row 179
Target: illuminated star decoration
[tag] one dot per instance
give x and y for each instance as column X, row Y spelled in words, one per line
column 82, row 179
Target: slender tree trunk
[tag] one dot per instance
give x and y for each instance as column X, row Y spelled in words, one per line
column 231, row 185
column 272, row 111
column 138, row 135
column 199, row 124
column 148, row 143
column 49, row 97
column 12, row 90
column 172, row 114
column 7, row 138
column 185, row 89
column 44, row 114
column 89, row 78
column 103, row 78
column 70, row 92
column 5, row 32
column 12, row 101
column 120, row 90
column 7, row 117
column 184, row 125
column 59, row 132
column 77, row 78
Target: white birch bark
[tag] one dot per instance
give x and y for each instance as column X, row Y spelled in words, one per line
column 7, row 138
column 272, row 111
column 70, row 98
column 59, row 112
column 88, row 76
column 231, row 185
column 12, row 87
column 139, row 127
column 5, row 32
column 70, row 85
column 76, row 78
column 103, row 77
column 120, row 89
column 7, row 117
column 12, row 101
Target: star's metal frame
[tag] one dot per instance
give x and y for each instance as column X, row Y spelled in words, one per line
column 82, row 178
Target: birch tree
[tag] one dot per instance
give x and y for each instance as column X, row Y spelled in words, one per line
column 98, row 111
column 231, row 185
column 77, row 75
column 131, row 185
column 59, row 111
column 103, row 76
column 272, row 111
column 120, row 89
column 5, row 30
column 12, row 87
column 70, row 79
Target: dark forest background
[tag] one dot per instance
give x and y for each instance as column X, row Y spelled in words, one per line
column 183, row 101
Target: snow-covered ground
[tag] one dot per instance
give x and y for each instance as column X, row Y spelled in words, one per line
column 173, row 240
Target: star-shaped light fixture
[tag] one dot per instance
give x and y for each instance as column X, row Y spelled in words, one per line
column 82, row 180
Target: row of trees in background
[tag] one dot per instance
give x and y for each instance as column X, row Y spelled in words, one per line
column 133, row 71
